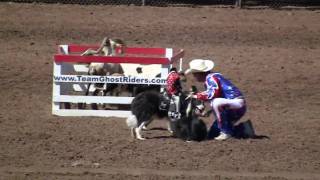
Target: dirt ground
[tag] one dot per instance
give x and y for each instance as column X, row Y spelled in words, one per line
column 272, row 55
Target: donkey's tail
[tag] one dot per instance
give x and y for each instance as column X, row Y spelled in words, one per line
column 132, row 121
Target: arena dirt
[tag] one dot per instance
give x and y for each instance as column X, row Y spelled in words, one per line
column 272, row 55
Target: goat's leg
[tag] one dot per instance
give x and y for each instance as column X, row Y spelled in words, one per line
column 94, row 105
column 118, row 89
column 83, row 105
column 88, row 89
column 112, row 88
column 105, row 90
column 108, row 90
column 138, row 131
column 66, row 105
column 134, row 91
column 104, row 93
column 89, row 52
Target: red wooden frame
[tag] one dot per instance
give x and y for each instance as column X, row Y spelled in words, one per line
column 141, row 55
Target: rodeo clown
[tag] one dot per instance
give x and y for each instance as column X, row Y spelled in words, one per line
column 226, row 100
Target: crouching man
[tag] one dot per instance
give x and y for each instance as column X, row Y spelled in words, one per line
column 225, row 98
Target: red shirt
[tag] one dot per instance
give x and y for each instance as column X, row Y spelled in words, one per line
column 172, row 81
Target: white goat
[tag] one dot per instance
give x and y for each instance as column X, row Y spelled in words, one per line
column 107, row 48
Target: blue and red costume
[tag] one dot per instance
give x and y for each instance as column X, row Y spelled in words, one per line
column 217, row 86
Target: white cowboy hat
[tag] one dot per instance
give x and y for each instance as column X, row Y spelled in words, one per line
column 200, row 65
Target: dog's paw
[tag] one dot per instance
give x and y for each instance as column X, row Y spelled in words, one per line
column 133, row 134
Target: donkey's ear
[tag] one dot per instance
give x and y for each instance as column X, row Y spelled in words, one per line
column 106, row 41
column 194, row 89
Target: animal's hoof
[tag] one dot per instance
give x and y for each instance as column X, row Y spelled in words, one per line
column 141, row 138
column 144, row 128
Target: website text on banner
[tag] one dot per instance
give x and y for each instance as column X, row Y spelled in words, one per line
column 108, row 79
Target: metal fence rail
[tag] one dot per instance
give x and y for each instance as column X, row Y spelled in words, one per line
column 134, row 2
column 280, row 3
column 240, row 3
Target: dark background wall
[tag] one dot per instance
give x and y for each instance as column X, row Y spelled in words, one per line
column 271, row 3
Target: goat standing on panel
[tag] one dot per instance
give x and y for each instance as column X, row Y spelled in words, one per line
column 107, row 48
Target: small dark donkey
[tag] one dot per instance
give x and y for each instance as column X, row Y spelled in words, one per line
column 189, row 127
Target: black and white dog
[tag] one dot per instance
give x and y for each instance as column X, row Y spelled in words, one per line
column 145, row 107
column 149, row 105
